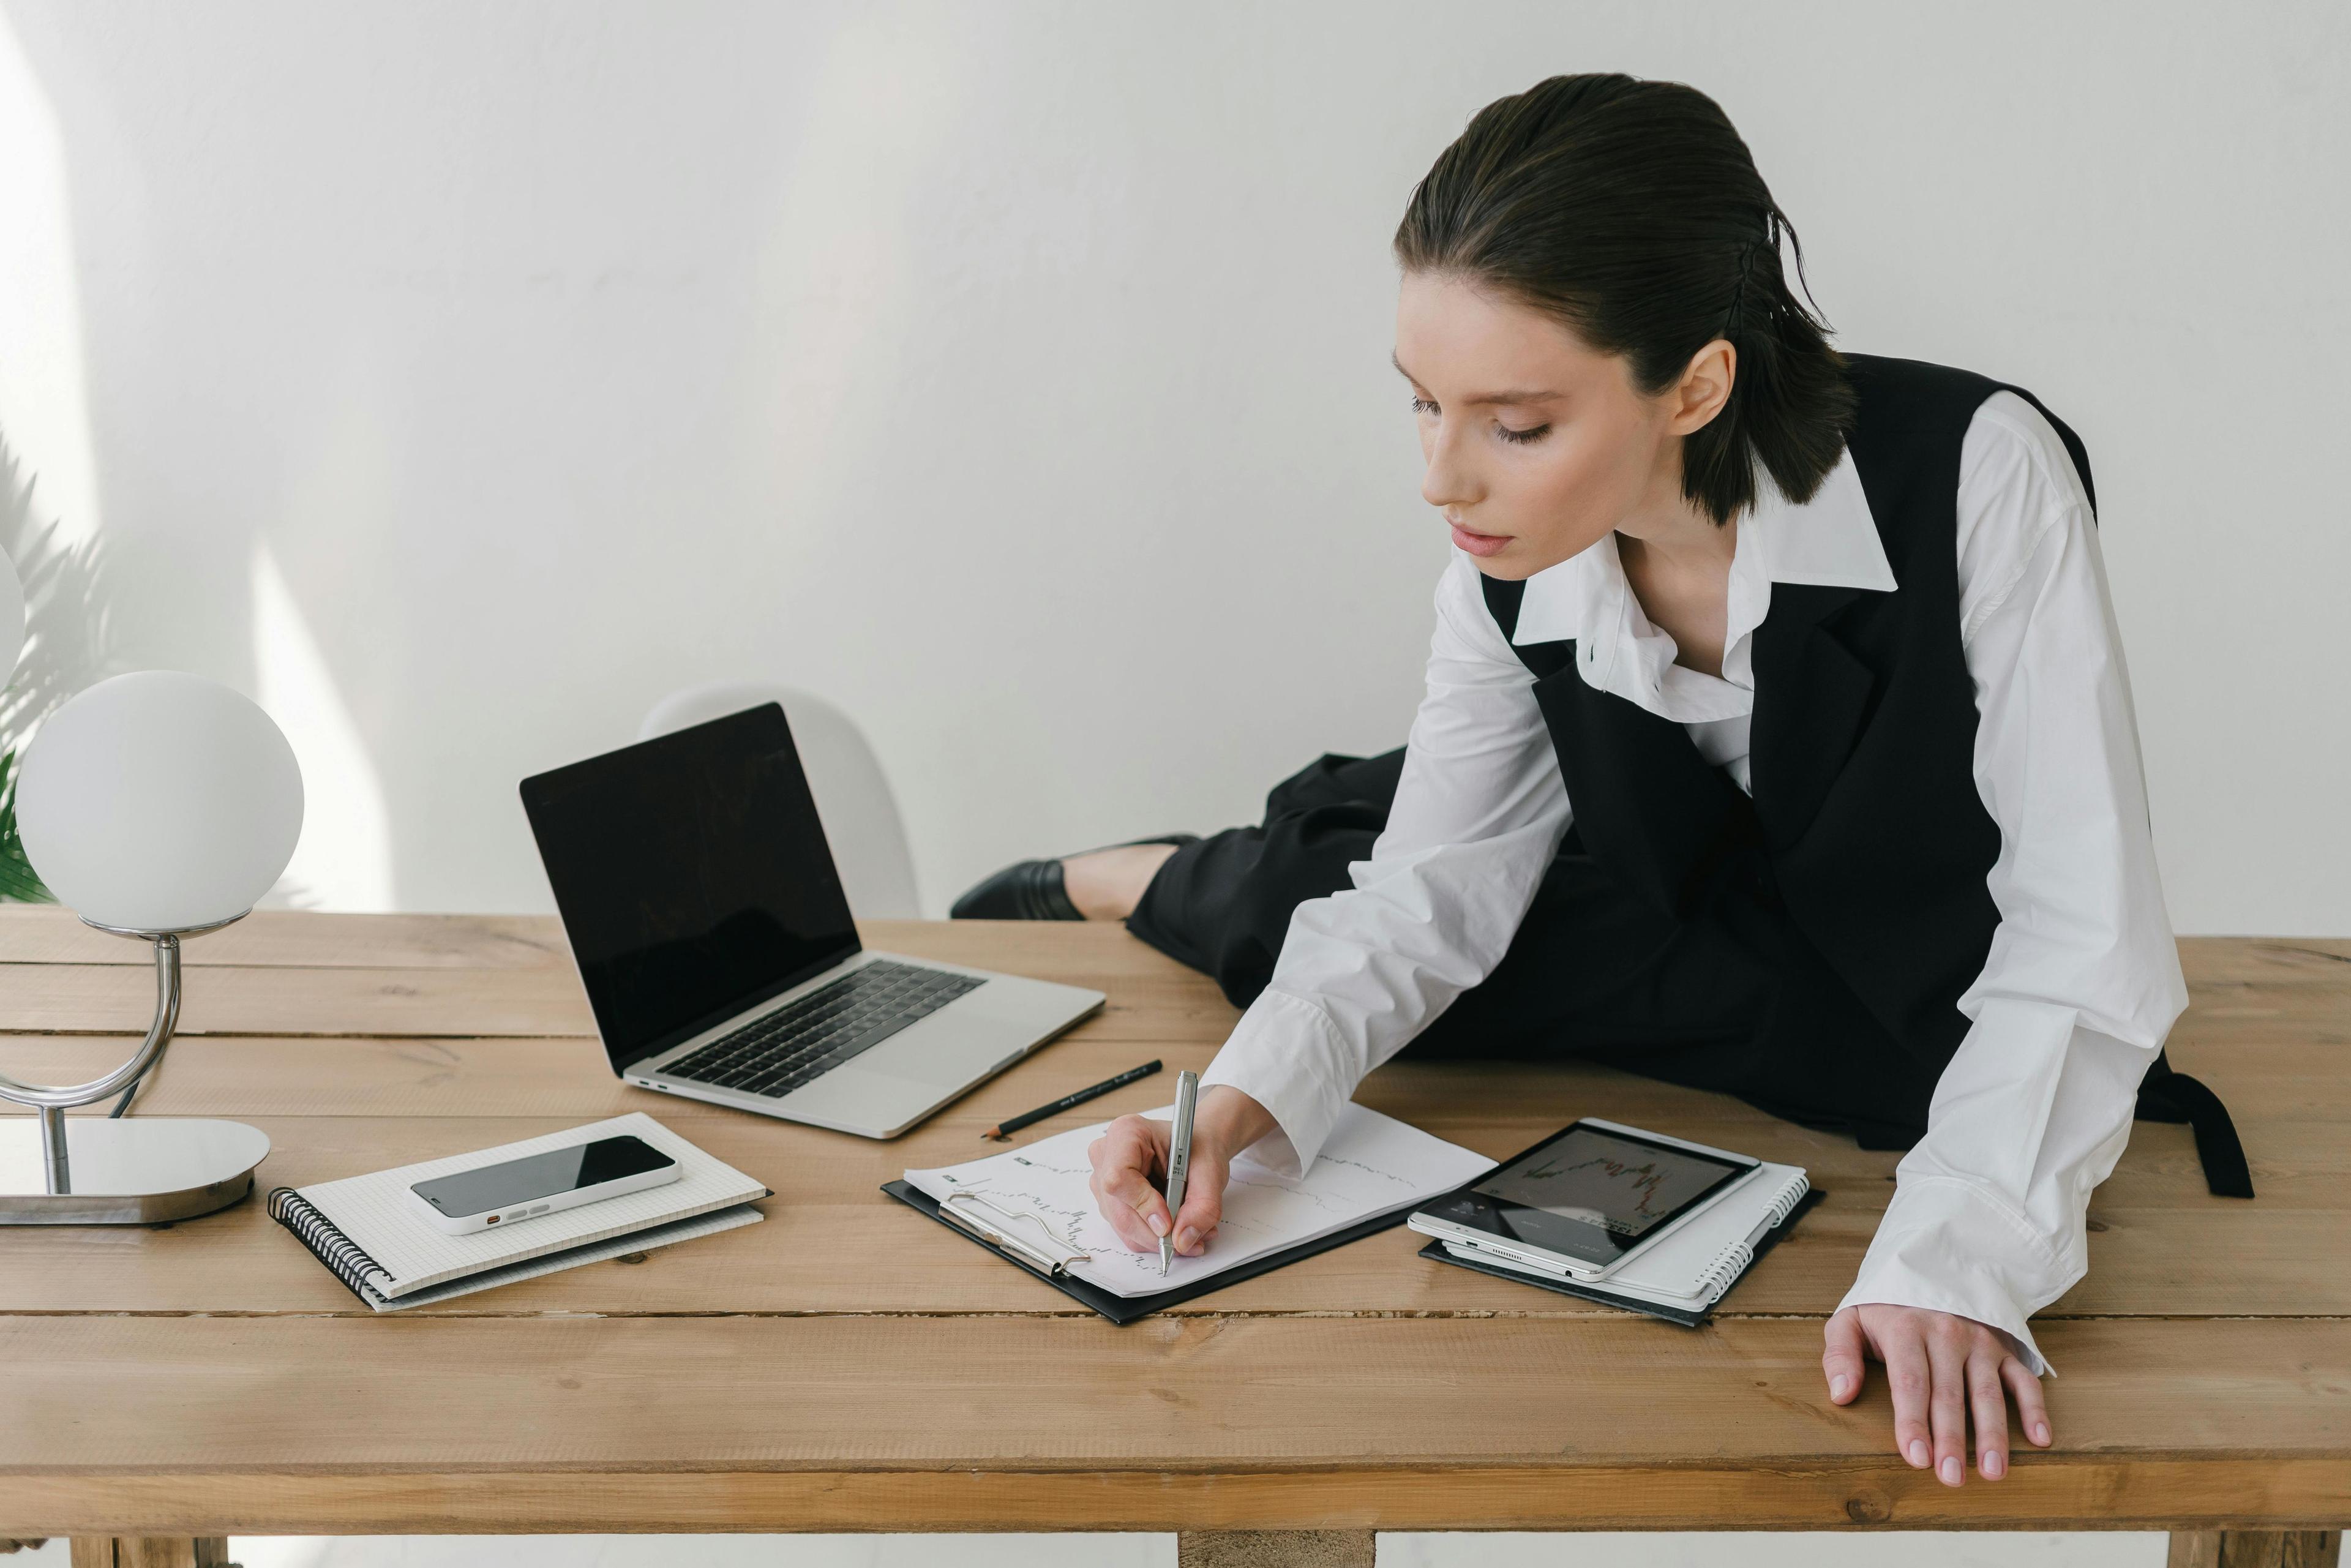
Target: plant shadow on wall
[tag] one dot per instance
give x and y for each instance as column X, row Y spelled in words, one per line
column 69, row 645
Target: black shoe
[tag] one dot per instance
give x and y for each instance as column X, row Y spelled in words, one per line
column 1033, row 889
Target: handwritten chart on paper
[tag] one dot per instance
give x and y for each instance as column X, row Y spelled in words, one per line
column 1371, row 1164
column 1625, row 1187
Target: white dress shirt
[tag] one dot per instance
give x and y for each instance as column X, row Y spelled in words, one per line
column 2082, row 981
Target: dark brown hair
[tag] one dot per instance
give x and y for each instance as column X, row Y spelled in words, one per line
column 1631, row 212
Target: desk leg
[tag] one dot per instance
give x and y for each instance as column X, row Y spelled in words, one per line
column 2256, row 1548
column 150, row 1551
column 1272, row 1549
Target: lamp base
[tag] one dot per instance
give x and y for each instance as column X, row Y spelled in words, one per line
column 128, row 1171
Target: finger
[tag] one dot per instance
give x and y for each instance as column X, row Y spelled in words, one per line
column 1204, row 1206
column 1130, row 1141
column 1905, row 1356
column 1947, row 1404
column 1122, row 1183
column 1133, row 1232
column 1133, row 1142
column 1844, row 1360
column 2031, row 1409
column 1987, row 1408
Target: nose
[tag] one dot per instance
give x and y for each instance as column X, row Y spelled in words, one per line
column 1448, row 481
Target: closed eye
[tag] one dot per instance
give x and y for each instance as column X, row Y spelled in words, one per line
column 1523, row 437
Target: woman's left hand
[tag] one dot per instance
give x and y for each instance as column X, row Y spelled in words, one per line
column 1943, row 1370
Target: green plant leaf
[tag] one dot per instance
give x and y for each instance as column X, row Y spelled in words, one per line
column 19, row 882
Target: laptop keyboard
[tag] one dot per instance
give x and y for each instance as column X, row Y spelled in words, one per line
column 779, row 1051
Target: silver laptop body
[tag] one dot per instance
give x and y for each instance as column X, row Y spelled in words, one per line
column 702, row 906
column 888, row 1087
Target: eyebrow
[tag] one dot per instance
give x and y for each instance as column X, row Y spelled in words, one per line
column 1483, row 399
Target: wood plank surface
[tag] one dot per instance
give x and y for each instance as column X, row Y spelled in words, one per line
column 1212, row 1418
column 849, row 1365
column 31, row 934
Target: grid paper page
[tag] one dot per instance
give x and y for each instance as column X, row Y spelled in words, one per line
column 385, row 1220
column 1371, row 1164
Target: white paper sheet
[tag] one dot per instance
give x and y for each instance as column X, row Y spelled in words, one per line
column 1371, row 1164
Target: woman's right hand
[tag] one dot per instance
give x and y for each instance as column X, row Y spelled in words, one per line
column 1130, row 1161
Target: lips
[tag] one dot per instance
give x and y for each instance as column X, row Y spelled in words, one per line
column 1474, row 543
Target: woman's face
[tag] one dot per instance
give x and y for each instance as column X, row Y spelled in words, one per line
column 1536, row 444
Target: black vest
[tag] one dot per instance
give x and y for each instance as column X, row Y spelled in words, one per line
column 1865, row 834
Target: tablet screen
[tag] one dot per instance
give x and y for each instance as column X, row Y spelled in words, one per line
column 1592, row 1193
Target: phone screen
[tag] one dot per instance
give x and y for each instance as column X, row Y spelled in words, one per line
column 535, row 1176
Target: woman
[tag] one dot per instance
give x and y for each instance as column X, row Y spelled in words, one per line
column 1777, row 741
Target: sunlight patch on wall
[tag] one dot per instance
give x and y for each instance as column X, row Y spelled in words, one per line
column 344, row 859
column 44, row 408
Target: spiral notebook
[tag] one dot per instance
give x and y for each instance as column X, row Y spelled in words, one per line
column 1682, row 1277
column 362, row 1229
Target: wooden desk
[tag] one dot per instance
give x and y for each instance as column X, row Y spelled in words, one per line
column 850, row 1366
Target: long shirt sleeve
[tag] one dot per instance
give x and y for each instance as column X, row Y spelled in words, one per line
column 2083, row 982
column 1479, row 815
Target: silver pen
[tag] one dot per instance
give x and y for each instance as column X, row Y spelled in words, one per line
column 1179, row 1161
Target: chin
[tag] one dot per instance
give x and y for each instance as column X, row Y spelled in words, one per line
column 1510, row 566
column 1517, row 561
column 1523, row 557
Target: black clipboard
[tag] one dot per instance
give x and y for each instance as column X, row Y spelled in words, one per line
column 1689, row 1317
column 1125, row 1310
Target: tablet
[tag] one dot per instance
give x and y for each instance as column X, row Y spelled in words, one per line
column 1590, row 1195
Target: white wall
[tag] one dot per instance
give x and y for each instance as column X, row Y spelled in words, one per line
column 460, row 377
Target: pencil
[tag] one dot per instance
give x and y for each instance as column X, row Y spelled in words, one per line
column 1006, row 1129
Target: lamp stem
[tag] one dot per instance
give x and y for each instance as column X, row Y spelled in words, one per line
column 53, row 1149
column 158, row 1034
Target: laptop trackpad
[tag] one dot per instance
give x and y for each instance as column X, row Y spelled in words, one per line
column 855, row 1093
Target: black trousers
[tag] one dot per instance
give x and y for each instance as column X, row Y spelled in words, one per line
column 1734, row 1000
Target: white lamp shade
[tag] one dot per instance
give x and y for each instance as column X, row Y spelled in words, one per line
column 11, row 618
column 159, row 801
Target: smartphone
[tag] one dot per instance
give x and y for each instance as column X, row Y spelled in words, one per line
column 514, row 1190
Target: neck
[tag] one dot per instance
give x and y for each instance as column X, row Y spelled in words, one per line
column 1668, row 529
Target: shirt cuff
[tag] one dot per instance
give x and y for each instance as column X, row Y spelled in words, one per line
column 1947, row 1247
column 1286, row 1055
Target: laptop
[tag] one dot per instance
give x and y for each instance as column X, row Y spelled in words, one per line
column 699, row 896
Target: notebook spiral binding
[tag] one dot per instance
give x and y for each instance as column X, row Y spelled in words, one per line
column 342, row 1256
column 1724, row 1271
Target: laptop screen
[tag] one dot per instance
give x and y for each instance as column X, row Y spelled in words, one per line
column 693, row 878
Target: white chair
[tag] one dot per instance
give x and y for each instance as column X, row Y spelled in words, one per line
column 852, row 797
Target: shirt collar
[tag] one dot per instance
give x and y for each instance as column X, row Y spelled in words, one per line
column 1830, row 541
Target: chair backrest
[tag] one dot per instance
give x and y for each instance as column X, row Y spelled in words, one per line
column 853, row 796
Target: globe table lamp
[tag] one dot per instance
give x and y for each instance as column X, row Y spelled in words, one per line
column 158, row 806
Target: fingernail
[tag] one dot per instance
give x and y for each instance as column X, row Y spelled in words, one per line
column 1187, row 1238
column 2041, row 1431
column 1991, row 1465
column 1918, row 1452
column 1837, row 1387
column 1951, row 1471
column 1159, row 1226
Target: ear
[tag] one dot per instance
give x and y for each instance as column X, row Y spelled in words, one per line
column 1705, row 386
